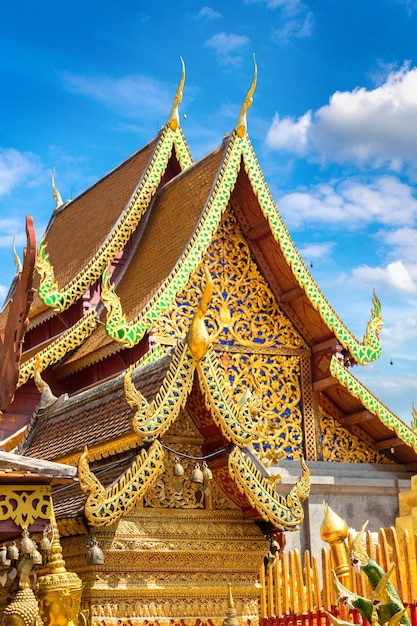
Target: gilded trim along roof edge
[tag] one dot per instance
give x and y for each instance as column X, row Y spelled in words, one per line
column 129, row 333
column 56, row 350
column 285, row 512
column 370, row 348
column 60, row 300
column 105, row 506
column 372, row 404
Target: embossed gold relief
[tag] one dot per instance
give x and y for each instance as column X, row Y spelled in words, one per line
column 171, row 566
column 25, row 503
column 338, row 444
column 278, row 380
column 243, row 309
column 105, row 506
column 286, row 513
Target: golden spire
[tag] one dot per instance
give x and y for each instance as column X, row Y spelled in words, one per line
column 55, row 193
column 174, row 118
column 240, row 127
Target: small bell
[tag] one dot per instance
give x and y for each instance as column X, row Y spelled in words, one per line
column 26, row 544
column 45, row 543
column 13, row 551
column 208, row 477
column 4, row 561
column 178, row 468
column 207, row 473
column 36, row 555
column 95, row 554
column 197, row 475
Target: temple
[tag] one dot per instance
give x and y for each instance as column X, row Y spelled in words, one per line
column 179, row 353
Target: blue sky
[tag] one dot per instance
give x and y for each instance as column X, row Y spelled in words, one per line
column 334, row 124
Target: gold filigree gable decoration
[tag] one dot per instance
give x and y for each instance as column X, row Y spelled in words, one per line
column 339, row 445
column 243, row 310
column 285, row 512
column 25, row 503
column 153, row 419
column 105, row 506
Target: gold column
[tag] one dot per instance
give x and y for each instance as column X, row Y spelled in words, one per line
column 334, row 531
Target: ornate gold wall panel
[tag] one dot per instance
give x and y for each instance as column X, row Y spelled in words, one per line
column 338, row 444
column 172, row 567
column 257, row 345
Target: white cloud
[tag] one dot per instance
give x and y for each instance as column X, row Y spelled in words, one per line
column 401, row 334
column 289, row 134
column 395, row 276
column 299, row 27
column 133, row 96
column 351, row 203
column 316, row 250
column 367, row 127
column 17, row 168
column 208, row 13
column 227, row 46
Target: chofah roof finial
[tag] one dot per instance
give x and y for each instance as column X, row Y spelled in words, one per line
column 16, row 257
column 174, row 118
column 241, row 126
column 55, row 193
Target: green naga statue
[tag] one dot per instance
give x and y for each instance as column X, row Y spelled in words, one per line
column 384, row 606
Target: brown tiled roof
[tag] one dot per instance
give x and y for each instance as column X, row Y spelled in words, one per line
column 79, row 228
column 91, row 418
column 174, row 215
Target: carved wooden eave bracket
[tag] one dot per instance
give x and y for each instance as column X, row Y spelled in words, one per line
column 372, row 404
column 105, row 506
column 284, row 512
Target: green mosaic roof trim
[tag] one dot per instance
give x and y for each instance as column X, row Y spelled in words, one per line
column 131, row 333
column 60, row 300
column 372, row 404
column 55, row 351
column 370, row 348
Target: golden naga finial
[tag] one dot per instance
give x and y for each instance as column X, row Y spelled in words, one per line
column 240, row 127
column 47, row 397
column 55, row 193
column 358, row 555
column 16, row 257
column 198, row 338
column 414, row 422
column 174, row 118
